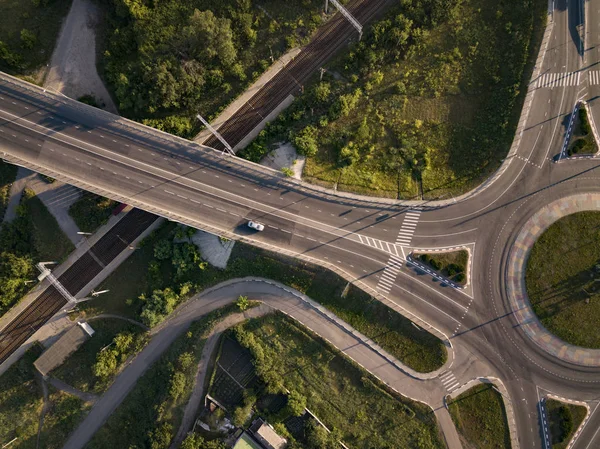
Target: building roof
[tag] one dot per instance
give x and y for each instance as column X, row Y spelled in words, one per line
column 266, row 435
column 56, row 354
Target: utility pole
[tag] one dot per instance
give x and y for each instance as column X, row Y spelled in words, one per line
column 347, row 15
column 216, row 134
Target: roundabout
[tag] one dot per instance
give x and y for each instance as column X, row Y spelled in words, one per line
column 516, row 285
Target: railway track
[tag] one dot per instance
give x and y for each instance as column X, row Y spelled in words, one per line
column 327, row 41
column 77, row 276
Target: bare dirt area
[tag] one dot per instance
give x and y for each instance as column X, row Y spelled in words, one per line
column 285, row 156
column 73, row 67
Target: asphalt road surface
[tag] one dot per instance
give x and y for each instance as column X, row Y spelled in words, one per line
column 366, row 238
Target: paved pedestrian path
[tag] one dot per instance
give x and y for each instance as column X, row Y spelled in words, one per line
column 517, row 292
column 290, row 302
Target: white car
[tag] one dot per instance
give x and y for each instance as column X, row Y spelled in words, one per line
column 255, row 225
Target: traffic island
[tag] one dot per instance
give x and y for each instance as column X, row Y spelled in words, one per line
column 565, row 419
column 523, row 311
column 563, row 279
column 450, row 266
column 480, row 417
column 581, row 140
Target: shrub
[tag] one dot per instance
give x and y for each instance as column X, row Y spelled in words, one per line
column 305, row 141
column 566, row 422
column 242, row 303
column 28, row 38
column 460, row 278
column 425, row 258
column 584, row 121
column 288, row 172
column 177, row 386
column 453, row 269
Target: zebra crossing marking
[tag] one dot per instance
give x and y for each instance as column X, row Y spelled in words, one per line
column 594, row 77
column 390, row 272
column 387, row 279
column 449, row 381
column 550, row 80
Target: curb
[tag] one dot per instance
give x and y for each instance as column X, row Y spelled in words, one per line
column 438, row 276
column 508, row 407
column 568, row 401
column 514, row 272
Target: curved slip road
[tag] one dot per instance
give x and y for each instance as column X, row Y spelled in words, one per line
column 293, row 304
column 364, row 239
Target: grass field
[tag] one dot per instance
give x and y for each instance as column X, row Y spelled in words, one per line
column 425, row 105
column 563, row 421
column 149, row 412
column 341, row 394
column 21, row 404
column 65, row 413
column 25, row 52
column 452, row 264
column 419, row 350
column 561, row 279
column 480, row 418
column 8, row 173
column 77, row 369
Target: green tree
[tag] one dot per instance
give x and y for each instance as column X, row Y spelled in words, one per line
column 207, row 37
column 163, row 249
column 123, row 342
column 185, row 360
column 106, row 364
column 177, row 385
column 160, row 438
column 296, row 403
column 318, row 438
column 322, row 92
column 14, row 272
column 305, row 141
column 28, row 38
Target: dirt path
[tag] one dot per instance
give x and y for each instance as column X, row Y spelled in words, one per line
column 191, row 409
column 60, row 385
column 295, row 305
column 73, row 66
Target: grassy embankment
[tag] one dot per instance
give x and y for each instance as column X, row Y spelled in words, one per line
column 28, row 33
column 78, row 370
column 34, row 235
column 363, row 412
column 21, row 404
column 195, row 56
column 426, row 104
column 452, row 265
column 480, row 418
column 561, row 276
column 563, row 421
column 8, row 173
column 153, row 410
column 142, row 273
